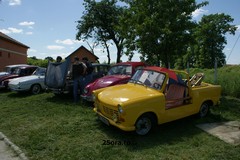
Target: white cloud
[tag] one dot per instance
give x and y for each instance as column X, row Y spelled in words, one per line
column 15, row 30
column 67, row 41
column 14, row 2
column 25, row 23
column 29, row 33
column 54, row 47
column 63, row 55
column 238, row 27
column 32, row 50
column 5, row 31
column 11, row 30
column 199, row 12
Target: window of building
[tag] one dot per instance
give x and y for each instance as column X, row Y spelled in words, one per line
column 9, row 55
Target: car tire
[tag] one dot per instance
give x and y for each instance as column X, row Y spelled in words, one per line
column 144, row 124
column 204, row 110
column 36, row 89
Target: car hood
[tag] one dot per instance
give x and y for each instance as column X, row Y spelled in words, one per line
column 10, row 76
column 110, row 80
column 127, row 93
column 25, row 79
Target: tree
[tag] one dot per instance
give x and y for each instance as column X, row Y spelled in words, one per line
column 162, row 28
column 210, row 39
column 101, row 21
column 37, row 62
column 49, row 59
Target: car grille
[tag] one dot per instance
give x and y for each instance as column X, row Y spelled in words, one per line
column 110, row 113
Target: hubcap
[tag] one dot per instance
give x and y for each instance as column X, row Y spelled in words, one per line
column 36, row 89
column 204, row 110
column 143, row 126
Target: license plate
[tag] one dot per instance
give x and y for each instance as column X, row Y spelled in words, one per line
column 104, row 120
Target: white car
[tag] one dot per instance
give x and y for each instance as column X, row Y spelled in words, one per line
column 33, row 83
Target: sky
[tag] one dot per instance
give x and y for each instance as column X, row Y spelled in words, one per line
column 48, row 27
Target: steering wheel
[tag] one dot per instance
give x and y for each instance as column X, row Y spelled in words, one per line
column 157, row 85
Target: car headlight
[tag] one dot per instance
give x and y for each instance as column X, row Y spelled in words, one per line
column 120, row 110
column 85, row 91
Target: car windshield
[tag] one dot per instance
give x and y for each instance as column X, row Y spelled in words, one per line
column 10, row 69
column 17, row 71
column 149, row 78
column 120, row 70
column 39, row 71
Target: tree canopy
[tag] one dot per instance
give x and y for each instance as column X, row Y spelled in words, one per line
column 162, row 31
column 210, row 40
column 101, row 21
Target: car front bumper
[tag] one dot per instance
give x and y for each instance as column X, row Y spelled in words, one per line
column 108, row 121
column 87, row 98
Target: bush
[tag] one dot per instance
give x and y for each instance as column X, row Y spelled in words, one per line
column 37, row 62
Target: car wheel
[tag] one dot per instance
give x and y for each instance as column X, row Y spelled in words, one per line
column 204, row 110
column 144, row 124
column 36, row 89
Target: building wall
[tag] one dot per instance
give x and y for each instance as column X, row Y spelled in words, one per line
column 82, row 52
column 11, row 53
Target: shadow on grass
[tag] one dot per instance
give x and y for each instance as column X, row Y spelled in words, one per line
column 68, row 99
column 171, row 132
column 60, row 98
column 20, row 94
column 168, row 133
column 4, row 90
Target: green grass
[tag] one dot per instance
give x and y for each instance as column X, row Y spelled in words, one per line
column 46, row 127
column 228, row 77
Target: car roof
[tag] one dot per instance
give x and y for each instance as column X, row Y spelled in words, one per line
column 17, row 65
column 23, row 67
column 98, row 64
column 130, row 63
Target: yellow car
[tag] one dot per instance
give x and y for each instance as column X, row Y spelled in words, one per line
column 154, row 95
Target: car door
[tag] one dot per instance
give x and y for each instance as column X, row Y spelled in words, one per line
column 177, row 103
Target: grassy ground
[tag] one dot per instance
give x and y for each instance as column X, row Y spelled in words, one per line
column 228, row 77
column 46, row 127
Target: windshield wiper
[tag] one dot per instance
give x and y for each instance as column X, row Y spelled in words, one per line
column 137, row 81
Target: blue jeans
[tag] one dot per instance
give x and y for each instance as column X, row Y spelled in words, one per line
column 86, row 80
column 76, row 85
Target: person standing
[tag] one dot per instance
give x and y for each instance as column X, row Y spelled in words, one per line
column 88, row 74
column 59, row 59
column 78, row 70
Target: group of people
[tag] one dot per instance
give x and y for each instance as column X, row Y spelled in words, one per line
column 81, row 72
column 81, row 75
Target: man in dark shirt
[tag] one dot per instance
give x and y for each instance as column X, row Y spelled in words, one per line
column 88, row 74
column 78, row 70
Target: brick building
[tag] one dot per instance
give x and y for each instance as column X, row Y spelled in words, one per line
column 11, row 51
column 83, row 52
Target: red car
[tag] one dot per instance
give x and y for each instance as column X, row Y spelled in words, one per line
column 119, row 73
column 19, row 72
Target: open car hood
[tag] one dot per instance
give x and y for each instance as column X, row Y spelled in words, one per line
column 56, row 74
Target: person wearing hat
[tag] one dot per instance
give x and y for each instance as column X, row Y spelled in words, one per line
column 78, row 70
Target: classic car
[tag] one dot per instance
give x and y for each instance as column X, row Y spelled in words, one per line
column 33, row 83
column 154, row 95
column 19, row 72
column 58, row 77
column 120, row 73
column 10, row 69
